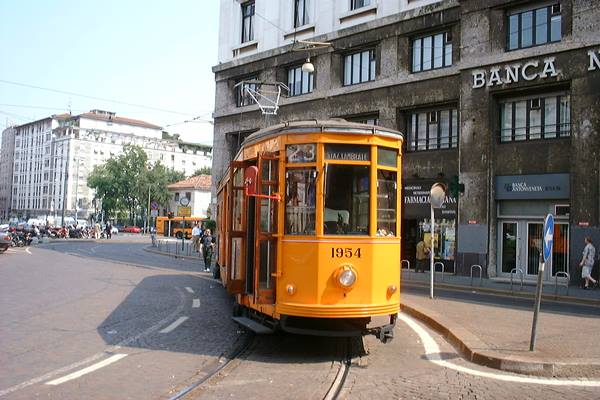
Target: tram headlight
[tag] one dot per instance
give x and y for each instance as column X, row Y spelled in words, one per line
column 346, row 276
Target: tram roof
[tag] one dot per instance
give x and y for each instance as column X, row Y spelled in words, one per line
column 321, row 126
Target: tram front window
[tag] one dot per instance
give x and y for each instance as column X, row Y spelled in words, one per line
column 300, row 195
column 346, row 200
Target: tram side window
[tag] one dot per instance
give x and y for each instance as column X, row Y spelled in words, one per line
column 346, row 200
column 386, row 203
column 300, row 196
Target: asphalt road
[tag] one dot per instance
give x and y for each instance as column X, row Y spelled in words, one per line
column 108, row 320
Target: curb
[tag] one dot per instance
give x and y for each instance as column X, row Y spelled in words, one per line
column 500, row 292
column 474, row 350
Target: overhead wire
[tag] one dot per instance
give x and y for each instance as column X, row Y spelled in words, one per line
column 31, row 86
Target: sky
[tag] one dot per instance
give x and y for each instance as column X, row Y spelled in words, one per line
column 151, row 53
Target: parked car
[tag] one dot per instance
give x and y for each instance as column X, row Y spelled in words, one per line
column 5, row 241
column 132, row 229
column 120, row 228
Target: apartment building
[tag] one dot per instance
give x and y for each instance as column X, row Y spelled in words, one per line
column 54, row 156
column 499, row 98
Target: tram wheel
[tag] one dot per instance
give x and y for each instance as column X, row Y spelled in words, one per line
column 179, row 235
column 237, row 309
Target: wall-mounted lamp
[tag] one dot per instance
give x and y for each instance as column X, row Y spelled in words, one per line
column 308, row 66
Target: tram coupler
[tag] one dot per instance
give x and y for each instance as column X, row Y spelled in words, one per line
column 386, row 333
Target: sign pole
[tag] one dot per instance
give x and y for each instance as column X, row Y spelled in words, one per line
column 431, row 251
column 183, row 234
column 545, row 257
column 538, row 301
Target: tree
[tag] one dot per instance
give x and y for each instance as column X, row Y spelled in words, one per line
column 118, row 181
column 124, row 183
column 203, row 171
column 157, row 178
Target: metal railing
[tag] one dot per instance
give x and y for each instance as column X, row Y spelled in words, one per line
column 480, row 273
column 565, row 284
column 402, row 262
column 443, row 268
column 516, row 271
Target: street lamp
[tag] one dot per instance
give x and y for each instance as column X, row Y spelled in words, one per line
column 437, row 195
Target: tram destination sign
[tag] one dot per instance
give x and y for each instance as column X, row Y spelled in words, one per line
column 345, row 152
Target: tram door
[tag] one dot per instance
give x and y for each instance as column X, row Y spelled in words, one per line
column 237, row 225
column 265, row 228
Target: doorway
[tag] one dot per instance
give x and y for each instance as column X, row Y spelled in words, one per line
column 520, row 245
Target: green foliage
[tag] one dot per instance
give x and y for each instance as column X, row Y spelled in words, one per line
column 203, row 171
column 123, row 183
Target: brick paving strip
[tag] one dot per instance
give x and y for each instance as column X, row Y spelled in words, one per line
column 497, row 336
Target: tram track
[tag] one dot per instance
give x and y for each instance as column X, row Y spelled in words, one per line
column 215, row 367
column 339, row 381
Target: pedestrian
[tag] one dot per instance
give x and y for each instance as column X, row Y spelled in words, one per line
column 423, row 251
column 196, row 233
column 108, row 230
column 587, row 263
column 207, row 249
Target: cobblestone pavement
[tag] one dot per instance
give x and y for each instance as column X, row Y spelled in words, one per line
column 61, row 314
column 566, row 332
column 399, row 370
column 60, row 308
column 281, row 367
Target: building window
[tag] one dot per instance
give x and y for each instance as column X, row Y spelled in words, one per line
column 359, row 67
column 534, row 27
column 300, row 82
column 371, row 119
column 532, row 118
column 247, row 21
column 432, row 52
column 300, row 13
column 354, row 4
column 300, row 200
column 433, row 130
column 242, row 97
column 177, row 196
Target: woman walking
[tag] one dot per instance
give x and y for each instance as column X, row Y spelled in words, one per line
column 587, row 263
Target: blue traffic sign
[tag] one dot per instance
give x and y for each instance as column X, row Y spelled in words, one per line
column 548, row 236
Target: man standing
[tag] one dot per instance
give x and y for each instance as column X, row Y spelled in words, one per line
column 587, row 262
column 196, row 232
column 207, row 249
column 422, row 256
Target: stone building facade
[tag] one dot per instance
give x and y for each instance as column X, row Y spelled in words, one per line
column 501, row 97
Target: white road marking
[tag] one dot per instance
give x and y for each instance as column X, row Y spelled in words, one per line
column 97, row 356
column 432, row 352
column 189, row 289
column 196, row 303
column 87, row 370
column 27, row 251
column 174, row 325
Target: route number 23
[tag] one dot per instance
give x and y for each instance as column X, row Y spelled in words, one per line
column 345, row 252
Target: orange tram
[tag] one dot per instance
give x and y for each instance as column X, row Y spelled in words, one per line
column 309, row 230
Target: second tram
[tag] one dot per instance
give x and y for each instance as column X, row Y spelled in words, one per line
column 309, row 229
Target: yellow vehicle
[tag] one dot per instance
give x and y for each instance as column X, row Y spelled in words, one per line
column 179, row 226
column 308, row 229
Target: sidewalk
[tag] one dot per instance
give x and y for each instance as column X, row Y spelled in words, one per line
column 492, row 327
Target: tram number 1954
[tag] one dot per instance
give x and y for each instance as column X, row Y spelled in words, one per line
column 345, row 252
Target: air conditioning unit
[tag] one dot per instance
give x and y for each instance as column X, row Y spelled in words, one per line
column 433, row 117
column 562, row 210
